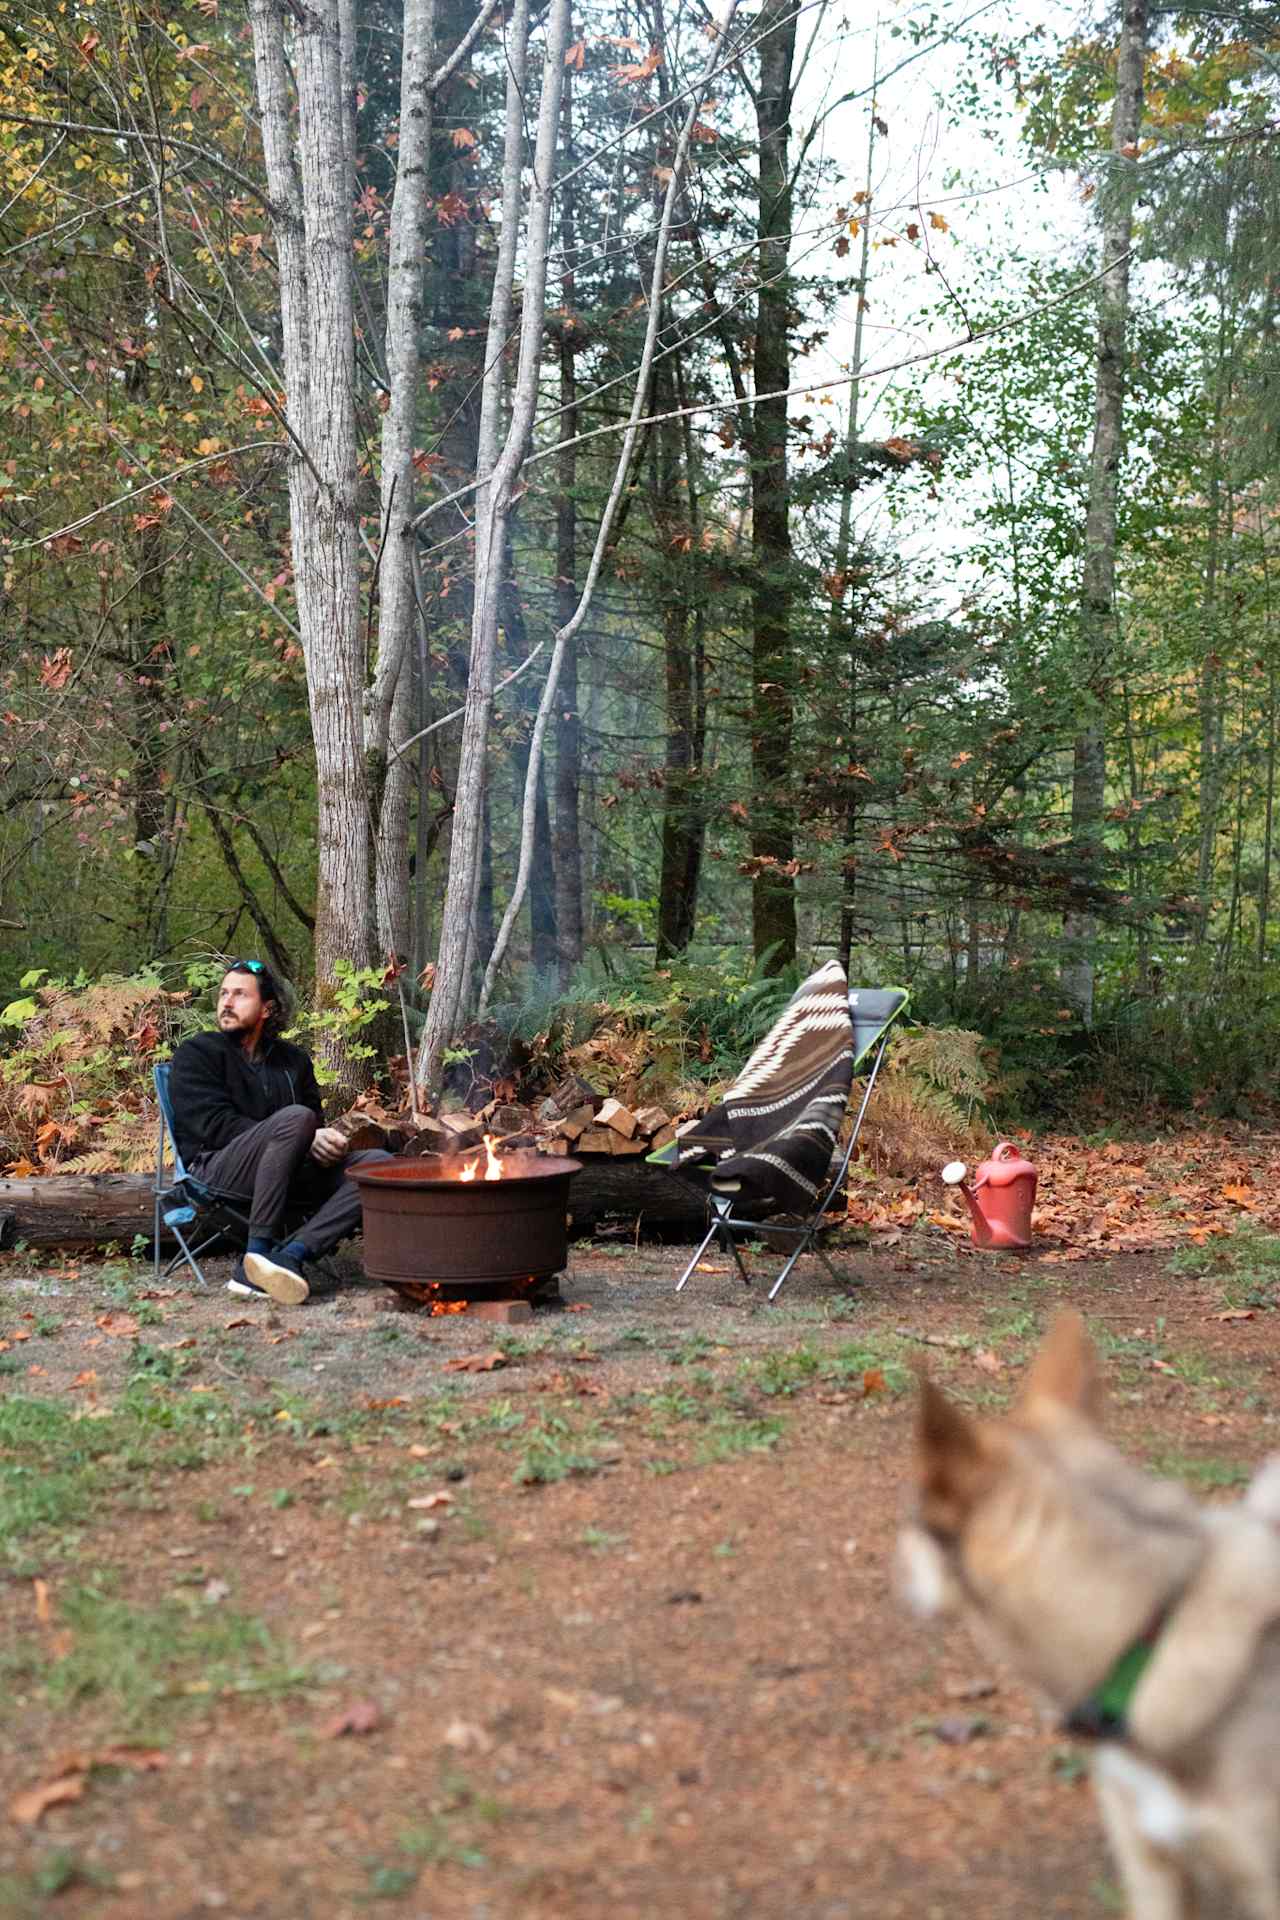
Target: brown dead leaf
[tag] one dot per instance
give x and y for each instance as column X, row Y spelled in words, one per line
column 427, row 1501
column 466, row 1737
column 476, row 1362
column 29, row 1808
column 87, row 1379
column 1236, row 1313
column 116, row 1322
column 873, row 1381
column 230, row 1326
column 988, row 1361
column 41, row 1591
column 362, row 1716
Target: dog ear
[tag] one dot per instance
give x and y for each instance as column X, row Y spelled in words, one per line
column 954, row 1467
column 1066, row 1368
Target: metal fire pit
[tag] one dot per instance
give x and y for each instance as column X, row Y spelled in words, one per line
column 426, row 1228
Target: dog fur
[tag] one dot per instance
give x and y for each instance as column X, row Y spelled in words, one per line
column 1060, row 1555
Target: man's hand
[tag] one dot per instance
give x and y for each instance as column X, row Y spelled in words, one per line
column 329, row 1145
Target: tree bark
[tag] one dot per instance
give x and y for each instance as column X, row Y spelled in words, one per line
column 683, row 822
column 1098, row 581
column 773, row 893
column 567, row 833
column 451, row 994
column 388, row 707
column 312, row 222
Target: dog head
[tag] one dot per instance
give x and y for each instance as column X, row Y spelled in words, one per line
column 1057, row 1553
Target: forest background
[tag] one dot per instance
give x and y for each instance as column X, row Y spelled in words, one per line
column 607, row 505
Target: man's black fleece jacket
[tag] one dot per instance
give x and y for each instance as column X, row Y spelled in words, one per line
column 217, row 1095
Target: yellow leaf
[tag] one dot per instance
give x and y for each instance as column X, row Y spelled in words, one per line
column 937, row 222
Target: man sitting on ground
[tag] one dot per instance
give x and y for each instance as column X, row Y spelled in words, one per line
column 248, row 1121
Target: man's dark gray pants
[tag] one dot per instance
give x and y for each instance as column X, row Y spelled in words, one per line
column 268, row 1167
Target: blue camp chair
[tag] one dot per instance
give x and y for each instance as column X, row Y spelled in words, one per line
column 185, row 1204
column 872, row 1012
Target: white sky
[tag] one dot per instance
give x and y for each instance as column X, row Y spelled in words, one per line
column 977, row 172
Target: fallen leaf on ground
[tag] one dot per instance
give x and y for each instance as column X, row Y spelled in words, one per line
column 988, row 1361
column 466, row 1737
column 41, row 1590
column 873, row 1381
column 230, row 1326
column 30, row 1807
column 1236, row 1313
column 362, row 1716
column 428, row 1500
column 123, row 1324
column 476, row 1362
column 70, row 1777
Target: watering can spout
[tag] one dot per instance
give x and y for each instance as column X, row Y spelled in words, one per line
column 1000, row 1197
column 953, row 1175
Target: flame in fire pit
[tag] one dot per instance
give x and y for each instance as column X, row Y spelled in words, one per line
column 493, row 1165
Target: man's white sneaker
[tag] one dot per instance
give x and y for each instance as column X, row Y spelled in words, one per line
column 277, row 1277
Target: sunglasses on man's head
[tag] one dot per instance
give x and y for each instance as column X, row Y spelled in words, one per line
column 244, row 966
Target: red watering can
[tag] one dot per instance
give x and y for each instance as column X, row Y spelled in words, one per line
column 1000, row 1197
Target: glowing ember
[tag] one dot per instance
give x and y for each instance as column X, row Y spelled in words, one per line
column 470, row 1170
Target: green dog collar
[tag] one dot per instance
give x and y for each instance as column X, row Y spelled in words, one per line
column 1105, row 1714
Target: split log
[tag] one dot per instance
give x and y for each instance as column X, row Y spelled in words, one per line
column 621, row 1119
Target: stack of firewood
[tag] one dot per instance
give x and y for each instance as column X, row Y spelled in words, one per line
column 574, row 1119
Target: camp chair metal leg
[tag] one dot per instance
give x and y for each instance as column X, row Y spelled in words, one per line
column 708, row 1237
column 796, row 1251
column 188, row 1256
column 742, row 1267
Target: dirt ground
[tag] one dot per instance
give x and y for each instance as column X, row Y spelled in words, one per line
column 304, row 1619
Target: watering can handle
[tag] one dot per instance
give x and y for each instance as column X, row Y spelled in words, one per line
column 1005, row 1150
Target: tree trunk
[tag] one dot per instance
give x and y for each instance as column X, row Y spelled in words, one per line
column 1097, row 596
column 451, row 996
column 773, row 892
column 849, row 860
column 312, row 222
column 567, row 838
column 676, row 517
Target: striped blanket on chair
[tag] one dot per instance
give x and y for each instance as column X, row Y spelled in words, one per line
column 772, row 1137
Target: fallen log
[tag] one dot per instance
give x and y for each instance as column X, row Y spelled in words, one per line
column 628, row 1189
column 65, row 1210
column 79, row 1209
